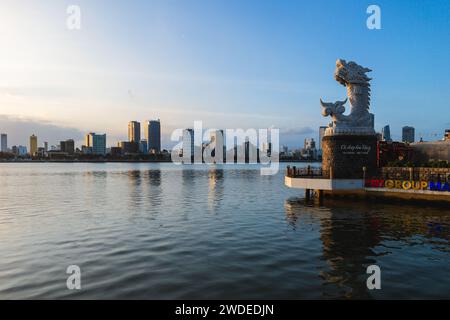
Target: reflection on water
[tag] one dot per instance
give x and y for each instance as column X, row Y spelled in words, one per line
column 145, row 190
column 160, row 231
column 215, row 190
column 357, row 235
column 153, row 188
column 136, row 198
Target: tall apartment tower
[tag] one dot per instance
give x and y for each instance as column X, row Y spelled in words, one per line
column 153, row 135
column 386, row 133
column 33, row 145
column 134, row 131
column 4, row 142
column 188, row 144
column 408, row 134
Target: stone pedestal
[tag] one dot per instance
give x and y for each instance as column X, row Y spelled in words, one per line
column 344, row 156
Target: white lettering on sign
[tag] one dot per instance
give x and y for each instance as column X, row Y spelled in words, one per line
column 355, row 149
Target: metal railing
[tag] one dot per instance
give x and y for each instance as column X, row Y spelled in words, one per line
column 308, row 172
column 414, row 174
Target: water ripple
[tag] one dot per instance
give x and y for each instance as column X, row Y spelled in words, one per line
column 159, row 231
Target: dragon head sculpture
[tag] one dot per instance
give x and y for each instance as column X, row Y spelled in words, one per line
column 351, row 73
column 359, row 121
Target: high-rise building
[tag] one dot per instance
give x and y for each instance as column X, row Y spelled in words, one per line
column 46, row 146
column 309, row 151
column 217, row 137
column 386, row 133
column 188, row 143
column 250, row 151
column 67, row 146
column 408, row 134
column 4, row 142
column 310, row 143
column 153, row 135
column 134, row 131
column 97, row 142
column 33, row 145
column 321, row 135
column 88, row 140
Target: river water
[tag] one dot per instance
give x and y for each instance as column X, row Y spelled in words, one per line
column 162, row 231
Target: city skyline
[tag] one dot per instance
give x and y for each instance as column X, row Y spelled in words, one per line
column 143, row 145
column 233, row 65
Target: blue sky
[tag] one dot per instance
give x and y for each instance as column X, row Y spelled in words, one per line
column 229, row 63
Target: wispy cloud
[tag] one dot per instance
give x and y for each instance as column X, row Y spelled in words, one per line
column 19, row 130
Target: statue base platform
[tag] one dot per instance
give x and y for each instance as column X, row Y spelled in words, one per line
column 344, row 156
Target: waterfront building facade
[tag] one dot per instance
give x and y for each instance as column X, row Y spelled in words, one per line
column 143, row 146
column 19, row 150
column 431, row 151
column 115, row 151
column 86, row 150
column 97, row 143
column 67, row 146
column 128, row 147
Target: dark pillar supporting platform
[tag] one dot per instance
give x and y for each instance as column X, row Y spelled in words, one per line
column 307, row 194
column 318, row 196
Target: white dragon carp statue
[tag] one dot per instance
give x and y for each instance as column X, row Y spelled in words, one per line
column 359, row 121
